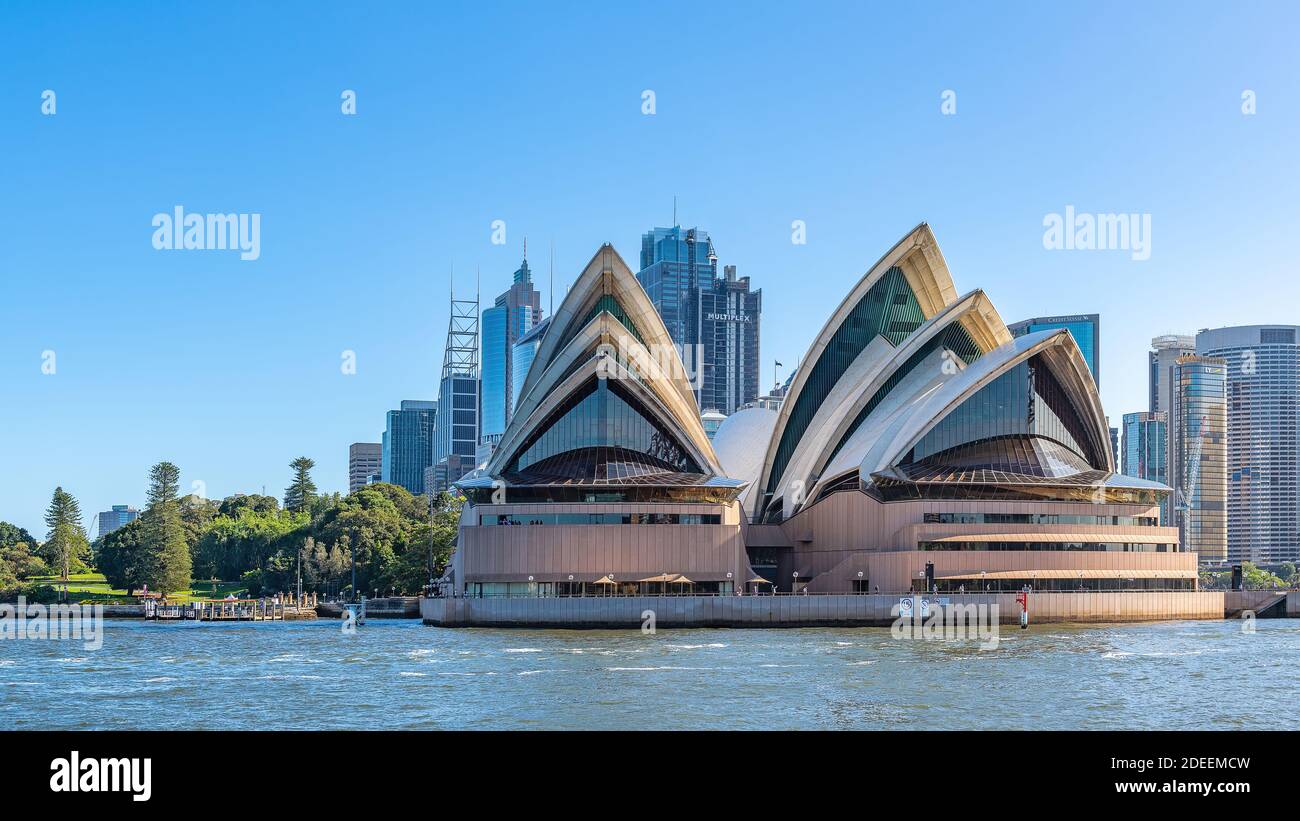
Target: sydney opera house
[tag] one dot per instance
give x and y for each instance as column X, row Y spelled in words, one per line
column 919, row 447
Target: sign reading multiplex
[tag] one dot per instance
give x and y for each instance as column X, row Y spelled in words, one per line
column 718, row 317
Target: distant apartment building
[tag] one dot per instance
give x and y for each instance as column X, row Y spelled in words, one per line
column 118, row 516
column 1085, row 328
column 714, row 320
column 1145, row 452
column 407, row 447
column 1263, row 397
column 1200, row 445
column 365, row 459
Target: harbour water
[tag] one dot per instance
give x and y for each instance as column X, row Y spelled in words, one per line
column 404, row 675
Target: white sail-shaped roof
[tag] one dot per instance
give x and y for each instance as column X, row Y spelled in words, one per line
column 923, row 402
column 841, row 413
column 607, row 328
column 820, row 407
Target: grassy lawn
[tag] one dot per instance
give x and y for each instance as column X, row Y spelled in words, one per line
column 93, row 587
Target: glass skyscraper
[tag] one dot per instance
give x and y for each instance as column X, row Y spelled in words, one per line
column 521, row 359
column 713, row 319
column 1145, row 454
column 730, row 315
column 1086, row 329
column 1200, row 443
column 118, row 516
column 515, row 313
column 1263, row 395
column 675, row 263
column 456, row 439
column 407, row 446
column 1161, row 360
column 495, row 360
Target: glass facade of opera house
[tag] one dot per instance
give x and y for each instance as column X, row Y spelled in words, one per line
column 920, row 446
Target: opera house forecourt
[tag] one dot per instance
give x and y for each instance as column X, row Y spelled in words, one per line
column 919, row 448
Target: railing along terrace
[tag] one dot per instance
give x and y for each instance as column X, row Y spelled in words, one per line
column 660, row 595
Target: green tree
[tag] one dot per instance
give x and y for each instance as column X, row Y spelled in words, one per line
column 235, row 545
column 18, row 562
column 324, row 504
column 66, row 548
column 167, row 563
column 433, row 544
column 11, row 535
column 302, row 491
column 376, row 525
column 120, row 556
column 1287, row 572
column 196, row 515
column 231, row 505
column 1257, row 578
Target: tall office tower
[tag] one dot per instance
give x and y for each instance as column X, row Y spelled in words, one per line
column 365, row 459
column 1263, row 363
column 675, row 263
column 1161, row 360
column 521, row 358
column 713, row 320
column 1114, row 442
column 407, row 444
column 730, row 314
column 1086, row 329
column 1200, row 450
column 516, row 312
column 456, row 439
column 1145, row 454
column 1164, row 352
column 118, row 516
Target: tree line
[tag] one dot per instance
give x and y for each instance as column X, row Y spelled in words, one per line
column 389, row 539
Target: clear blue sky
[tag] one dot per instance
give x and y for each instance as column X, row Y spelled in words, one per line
column 766, row 113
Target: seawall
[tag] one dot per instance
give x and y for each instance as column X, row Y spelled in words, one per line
column 803, row 611
column 392, row 607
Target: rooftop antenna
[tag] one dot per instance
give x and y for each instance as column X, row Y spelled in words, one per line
column 674, row 210
column 552, row 276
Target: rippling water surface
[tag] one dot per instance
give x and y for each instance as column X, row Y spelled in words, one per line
column 402, row 674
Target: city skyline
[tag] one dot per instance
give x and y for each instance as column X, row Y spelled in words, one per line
column 357, row 252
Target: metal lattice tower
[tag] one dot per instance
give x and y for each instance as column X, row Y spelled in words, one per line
column 461, row 356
